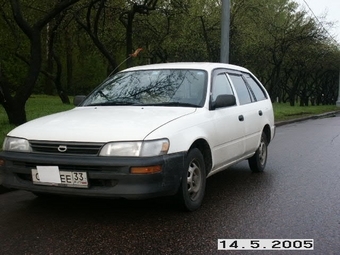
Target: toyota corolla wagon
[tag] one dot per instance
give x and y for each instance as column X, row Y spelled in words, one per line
column 147, row 131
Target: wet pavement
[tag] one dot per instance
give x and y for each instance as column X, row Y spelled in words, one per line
column 297, row 197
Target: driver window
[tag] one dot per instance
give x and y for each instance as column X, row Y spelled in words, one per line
column 221, row 86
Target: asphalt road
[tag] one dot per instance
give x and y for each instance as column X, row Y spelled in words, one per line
column 297, row 197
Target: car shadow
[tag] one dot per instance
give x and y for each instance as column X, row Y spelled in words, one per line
column 235, row 185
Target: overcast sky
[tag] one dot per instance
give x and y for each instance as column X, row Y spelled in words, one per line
column 321, row 7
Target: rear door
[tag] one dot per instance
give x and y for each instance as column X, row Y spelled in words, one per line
column 251, row 108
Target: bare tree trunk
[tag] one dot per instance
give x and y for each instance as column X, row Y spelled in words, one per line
column 129, row 47
column 92, row 31
column 48, row 88
column 62, row 94
column 15, row 105
column 16, row 113
column 127, row 18
column 205, row 34
column 69, row 60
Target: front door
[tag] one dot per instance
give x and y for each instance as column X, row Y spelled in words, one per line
column 228, row 144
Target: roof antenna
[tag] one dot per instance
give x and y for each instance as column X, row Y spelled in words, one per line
column 133, row 55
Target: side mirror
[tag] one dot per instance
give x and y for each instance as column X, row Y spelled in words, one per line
column 78, row 100
column 223, row 101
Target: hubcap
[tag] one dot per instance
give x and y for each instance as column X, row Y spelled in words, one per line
column 262, row 152
column 194, row 179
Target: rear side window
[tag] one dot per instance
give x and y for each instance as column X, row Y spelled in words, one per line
column 255, row 87
column 241, row 89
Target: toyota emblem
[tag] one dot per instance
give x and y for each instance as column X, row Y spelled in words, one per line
column 62, row 148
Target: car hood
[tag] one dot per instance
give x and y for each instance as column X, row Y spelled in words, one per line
column 100, row 124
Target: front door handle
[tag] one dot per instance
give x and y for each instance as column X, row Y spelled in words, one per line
column 241, row 118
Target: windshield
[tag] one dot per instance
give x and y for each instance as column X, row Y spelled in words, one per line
column 165, row 87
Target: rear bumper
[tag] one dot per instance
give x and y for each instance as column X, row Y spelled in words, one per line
column 107, row 176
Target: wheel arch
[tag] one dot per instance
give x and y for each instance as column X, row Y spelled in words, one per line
column 267, row 132
column 203, row 146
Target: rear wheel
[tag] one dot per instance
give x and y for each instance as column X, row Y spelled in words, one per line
column 192, row 188
column 258, row 161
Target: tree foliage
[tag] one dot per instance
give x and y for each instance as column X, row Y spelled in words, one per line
column 69, row 46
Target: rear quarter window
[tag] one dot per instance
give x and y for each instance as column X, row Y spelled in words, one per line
column 241, row 89
column 256, row 88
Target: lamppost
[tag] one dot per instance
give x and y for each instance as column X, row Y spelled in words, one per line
column 225, row 31
column 338, row 102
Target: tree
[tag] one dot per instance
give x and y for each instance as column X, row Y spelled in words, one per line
column 127, row 17
column 15, row 105
column 92, row 27
column 289, row 51
column 282, row 46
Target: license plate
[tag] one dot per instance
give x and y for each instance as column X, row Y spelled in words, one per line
column 52, row 176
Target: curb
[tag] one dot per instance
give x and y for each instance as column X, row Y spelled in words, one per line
column 277, row 124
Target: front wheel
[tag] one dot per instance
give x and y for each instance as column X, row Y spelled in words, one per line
column 258, row 161
column 192, row 188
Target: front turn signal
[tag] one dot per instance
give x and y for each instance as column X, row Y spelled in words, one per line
column 146, row 169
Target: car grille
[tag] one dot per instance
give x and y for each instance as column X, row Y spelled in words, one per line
column 30, row 165
column 66, row 148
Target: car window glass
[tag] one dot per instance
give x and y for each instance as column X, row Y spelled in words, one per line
column 166, row 87
column 241, row 89
column 255, row 87
column 221, row 86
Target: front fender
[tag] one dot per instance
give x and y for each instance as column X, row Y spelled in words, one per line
column 183, row 132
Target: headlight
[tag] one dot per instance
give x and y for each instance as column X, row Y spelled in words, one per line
column 121, row 149
column 136, row 149
column 16, row 144
column 155, row 148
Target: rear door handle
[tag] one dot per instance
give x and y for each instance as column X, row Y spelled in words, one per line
column 241, row 118
column 260, row 113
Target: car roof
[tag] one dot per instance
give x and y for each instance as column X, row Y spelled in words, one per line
column 208, row 66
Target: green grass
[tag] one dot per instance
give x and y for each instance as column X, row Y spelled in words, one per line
column 41, row 105
column 287, row 112
column 36, row 106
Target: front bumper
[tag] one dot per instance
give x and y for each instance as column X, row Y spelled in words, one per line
column 107, row 176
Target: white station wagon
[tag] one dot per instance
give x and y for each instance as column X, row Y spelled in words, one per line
column 148, row 131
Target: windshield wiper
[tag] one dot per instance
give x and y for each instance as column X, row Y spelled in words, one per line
column 172, row 104
column 113, row 103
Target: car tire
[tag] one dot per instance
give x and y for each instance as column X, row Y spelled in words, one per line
column 192, row 188
column 258, row 161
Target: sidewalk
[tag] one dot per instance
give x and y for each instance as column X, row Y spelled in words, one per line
column 278, row 124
